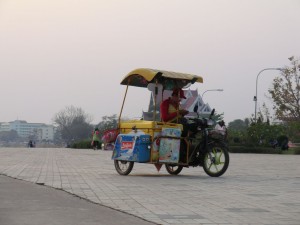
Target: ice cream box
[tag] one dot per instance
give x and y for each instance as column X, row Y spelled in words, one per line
column 132, row 147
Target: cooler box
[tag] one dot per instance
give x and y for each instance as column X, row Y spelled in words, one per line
column 152, row 128
column 132, row 147
column 147, row 127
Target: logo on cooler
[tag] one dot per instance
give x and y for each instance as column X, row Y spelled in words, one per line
column 127, row 145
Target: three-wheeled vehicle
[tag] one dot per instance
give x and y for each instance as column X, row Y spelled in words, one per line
column 149, row 140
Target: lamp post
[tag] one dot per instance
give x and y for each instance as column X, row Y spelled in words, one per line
column 255, row 97
column 211, row 90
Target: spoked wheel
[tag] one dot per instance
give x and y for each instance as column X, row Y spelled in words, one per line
column 216, row 161
column 123, row 167
column 173, row 169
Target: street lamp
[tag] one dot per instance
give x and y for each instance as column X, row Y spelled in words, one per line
column 211, row 90
column 255, row 97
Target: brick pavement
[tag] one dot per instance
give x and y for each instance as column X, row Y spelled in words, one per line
column 256, row 189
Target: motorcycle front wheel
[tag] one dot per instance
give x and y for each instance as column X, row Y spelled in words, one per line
column 173, row 169
column 123, row 167
column 216, row 160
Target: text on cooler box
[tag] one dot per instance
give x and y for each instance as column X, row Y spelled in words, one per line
column 127, row 145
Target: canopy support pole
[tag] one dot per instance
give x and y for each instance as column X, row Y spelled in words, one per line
column 155, row 95
column 123, row 104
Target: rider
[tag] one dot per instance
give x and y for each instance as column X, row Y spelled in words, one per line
column 170, row 109
column 171, row 112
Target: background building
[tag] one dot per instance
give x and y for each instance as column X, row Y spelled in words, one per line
column 46, row 133
column 37, row 131
column 5, row 127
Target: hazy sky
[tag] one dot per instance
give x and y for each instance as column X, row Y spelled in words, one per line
column 75, row 52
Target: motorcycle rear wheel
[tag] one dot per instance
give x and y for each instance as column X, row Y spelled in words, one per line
column 123, row 167
column 216, row 161
column 173, row 169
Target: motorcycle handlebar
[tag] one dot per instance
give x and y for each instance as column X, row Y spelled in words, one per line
column 200, row 122
column 212, row 113
column 203, row 122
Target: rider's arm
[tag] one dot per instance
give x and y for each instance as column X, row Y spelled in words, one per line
column 164, row 111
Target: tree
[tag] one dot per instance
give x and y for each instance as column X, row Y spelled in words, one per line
column 293, row 131
column 237, row 130
column 286, row 92
column 238, row 125
column 262, row 133
column 107, row 123
column 11, row 135
column 73, row 124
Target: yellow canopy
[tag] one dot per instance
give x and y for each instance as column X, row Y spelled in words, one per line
column 142, row 77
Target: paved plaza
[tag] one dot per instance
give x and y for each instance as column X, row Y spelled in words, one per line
column 256, row 189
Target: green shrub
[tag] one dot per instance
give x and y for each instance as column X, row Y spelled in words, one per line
column 236, row 140
column 283, row 142
column 252, row 145
column 297, row 151
column 248, row 149
column 84, row 144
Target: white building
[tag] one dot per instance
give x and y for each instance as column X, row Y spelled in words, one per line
column 5, row 127
column 40, row 131
column 46, row 133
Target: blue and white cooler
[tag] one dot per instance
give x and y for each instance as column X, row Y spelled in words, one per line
column 131, row 147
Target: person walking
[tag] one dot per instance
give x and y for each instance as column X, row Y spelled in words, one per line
column 96, row 139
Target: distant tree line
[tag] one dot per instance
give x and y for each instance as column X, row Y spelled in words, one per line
column 9, row 136
column 74, row 125
column 285, row 93
column 262, row 133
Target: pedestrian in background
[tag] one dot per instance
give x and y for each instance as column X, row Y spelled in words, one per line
column 96, row 139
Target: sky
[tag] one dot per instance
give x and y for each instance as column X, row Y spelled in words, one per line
column 59, row 53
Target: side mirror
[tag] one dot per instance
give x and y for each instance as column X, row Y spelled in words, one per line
column 212, row 113
column 196, row 108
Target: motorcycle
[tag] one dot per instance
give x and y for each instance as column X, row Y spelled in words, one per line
column 160, row 143
column 208, row 148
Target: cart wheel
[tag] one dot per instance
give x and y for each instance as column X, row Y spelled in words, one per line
column 123, row 167
column 216, row 161
column 173, row 169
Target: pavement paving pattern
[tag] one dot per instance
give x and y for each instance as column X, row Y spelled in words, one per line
column 25, row 203
column 257, row 189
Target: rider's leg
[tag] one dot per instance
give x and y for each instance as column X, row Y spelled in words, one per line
column 183, row 151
